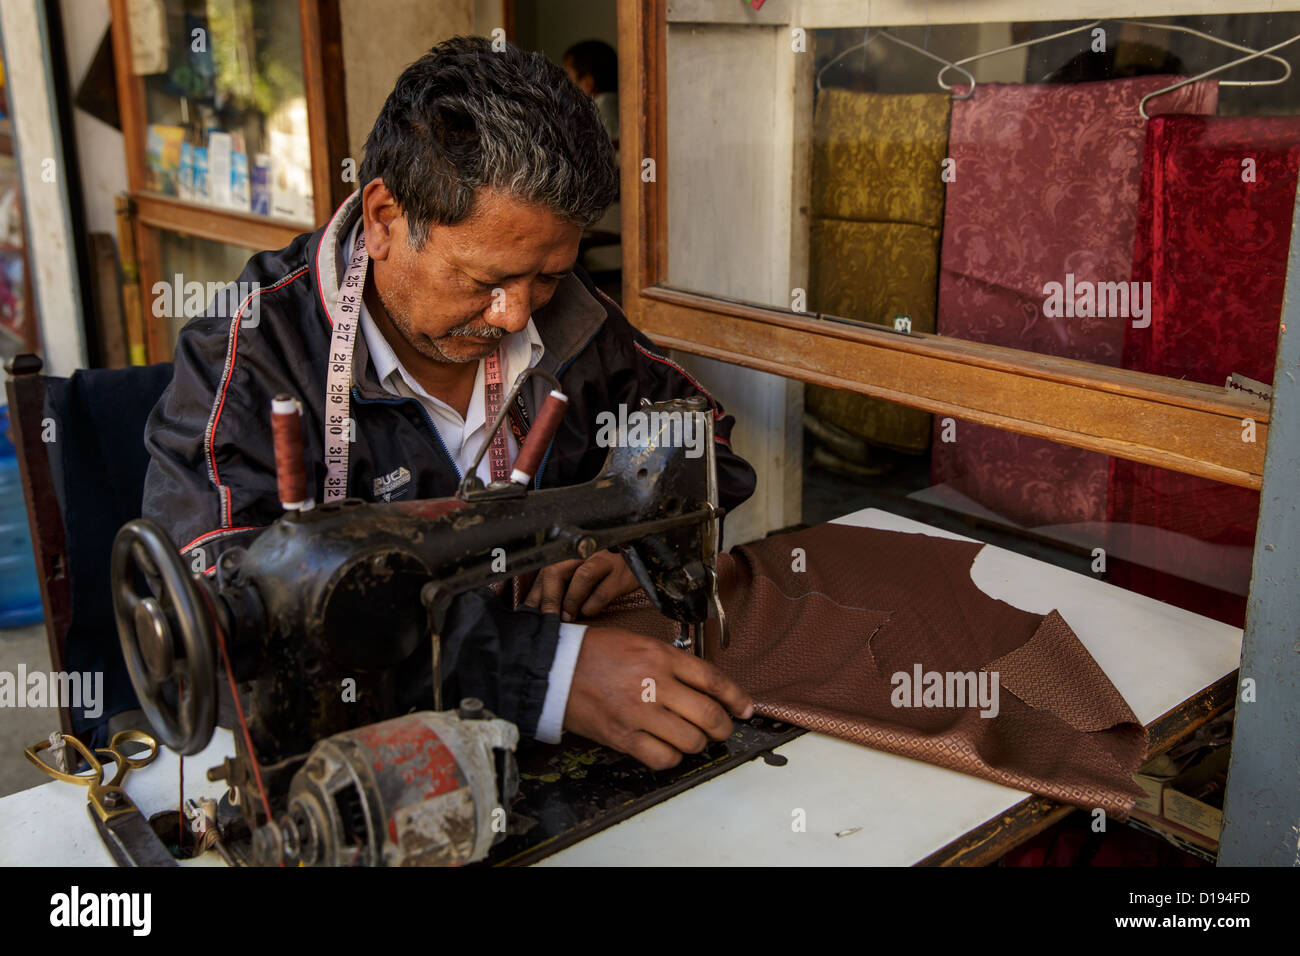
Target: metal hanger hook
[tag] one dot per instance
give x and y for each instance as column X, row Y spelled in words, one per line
column 1007, row 49
column 947, row 65
column 1255, row 55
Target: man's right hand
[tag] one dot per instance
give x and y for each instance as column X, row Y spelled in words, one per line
column 613, row 702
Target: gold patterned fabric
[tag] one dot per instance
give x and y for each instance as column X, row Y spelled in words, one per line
column 877, row 207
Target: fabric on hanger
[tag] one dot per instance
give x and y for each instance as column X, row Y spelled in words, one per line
column 877, row 210
column 1213, row 234
column 1213, row 237
column 1046, row 187
column 819, row 648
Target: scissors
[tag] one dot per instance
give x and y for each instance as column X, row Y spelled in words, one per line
column 125, row 831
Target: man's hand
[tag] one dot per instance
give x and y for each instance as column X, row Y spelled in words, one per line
column 648, row 699
column 591, row 586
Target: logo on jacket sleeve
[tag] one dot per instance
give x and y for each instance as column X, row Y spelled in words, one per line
column 392, row 485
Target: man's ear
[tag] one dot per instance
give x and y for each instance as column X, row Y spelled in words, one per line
column 382, row 218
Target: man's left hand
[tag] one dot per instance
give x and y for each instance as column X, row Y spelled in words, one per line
column 581, row 588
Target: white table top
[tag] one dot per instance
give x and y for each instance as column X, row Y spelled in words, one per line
column 1156, row 654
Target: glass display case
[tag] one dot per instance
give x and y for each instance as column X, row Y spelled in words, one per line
column 15, row 318
column 1070, row 239
column 235, row 133
column 191, row 268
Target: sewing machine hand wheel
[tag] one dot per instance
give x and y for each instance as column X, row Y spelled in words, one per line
column 166, row 634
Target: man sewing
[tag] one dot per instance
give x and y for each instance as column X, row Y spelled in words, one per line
column 479, row 176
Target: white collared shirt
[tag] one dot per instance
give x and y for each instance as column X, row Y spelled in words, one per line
column 463, row 437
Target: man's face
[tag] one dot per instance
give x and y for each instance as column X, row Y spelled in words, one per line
column 473, row 282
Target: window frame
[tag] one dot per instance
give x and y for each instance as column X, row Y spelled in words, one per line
column 152, row 213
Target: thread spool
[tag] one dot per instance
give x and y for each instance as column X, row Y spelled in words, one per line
column 539, row 437
column 290, row 471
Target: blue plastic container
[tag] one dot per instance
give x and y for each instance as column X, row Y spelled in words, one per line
column 20, row 591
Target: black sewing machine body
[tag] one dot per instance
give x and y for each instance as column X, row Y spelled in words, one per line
column 355, row 591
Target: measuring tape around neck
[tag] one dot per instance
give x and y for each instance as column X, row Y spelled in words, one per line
column 338, row 377
column 338, row 390
column 498, row 450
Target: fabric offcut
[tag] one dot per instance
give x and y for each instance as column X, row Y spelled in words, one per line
column 877, row 209
column 1046, row 185
column 1213, row 237
column 820, row 648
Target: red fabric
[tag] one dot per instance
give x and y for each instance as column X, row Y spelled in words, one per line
column 1214, row 247
column 1047, row 179
column 1073, row 842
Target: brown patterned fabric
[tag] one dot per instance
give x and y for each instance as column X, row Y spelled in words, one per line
column 877, row 206
column 820, row 648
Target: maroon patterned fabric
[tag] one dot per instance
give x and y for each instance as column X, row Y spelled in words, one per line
column 1214, row 230
column 1046, row 185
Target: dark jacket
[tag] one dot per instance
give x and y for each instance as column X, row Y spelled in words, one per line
column 212, row 480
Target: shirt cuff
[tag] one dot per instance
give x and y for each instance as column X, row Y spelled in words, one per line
column 551, row 723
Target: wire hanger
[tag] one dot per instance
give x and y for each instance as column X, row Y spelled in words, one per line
column 911, row 46
column 1014, row 46
column 1251, row 52
column 1172, row 27
column 1253, row 55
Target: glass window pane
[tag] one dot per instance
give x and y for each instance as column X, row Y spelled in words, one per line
column 14, row 314
column 1180, row 539
column 193, row 270
column 1041, row 213
column 227, row 118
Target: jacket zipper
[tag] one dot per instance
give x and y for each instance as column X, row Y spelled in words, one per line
column 356, row 394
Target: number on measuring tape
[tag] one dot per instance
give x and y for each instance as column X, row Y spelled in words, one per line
column 339, row 373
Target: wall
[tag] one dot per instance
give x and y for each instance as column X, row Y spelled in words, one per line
column 552, row 26
column 101, row 149
column 45, row 208
column 380, row 39
column 737, row 181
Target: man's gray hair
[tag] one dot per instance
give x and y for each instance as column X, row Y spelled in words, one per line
column 464, row 117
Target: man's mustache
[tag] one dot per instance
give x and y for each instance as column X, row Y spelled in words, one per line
column 477, row 331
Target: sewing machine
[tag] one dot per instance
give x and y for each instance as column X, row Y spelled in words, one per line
column 323, row 620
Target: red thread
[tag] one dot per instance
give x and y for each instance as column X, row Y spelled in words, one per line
column 239, row 709
column 540, row 435
column 290, row 470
